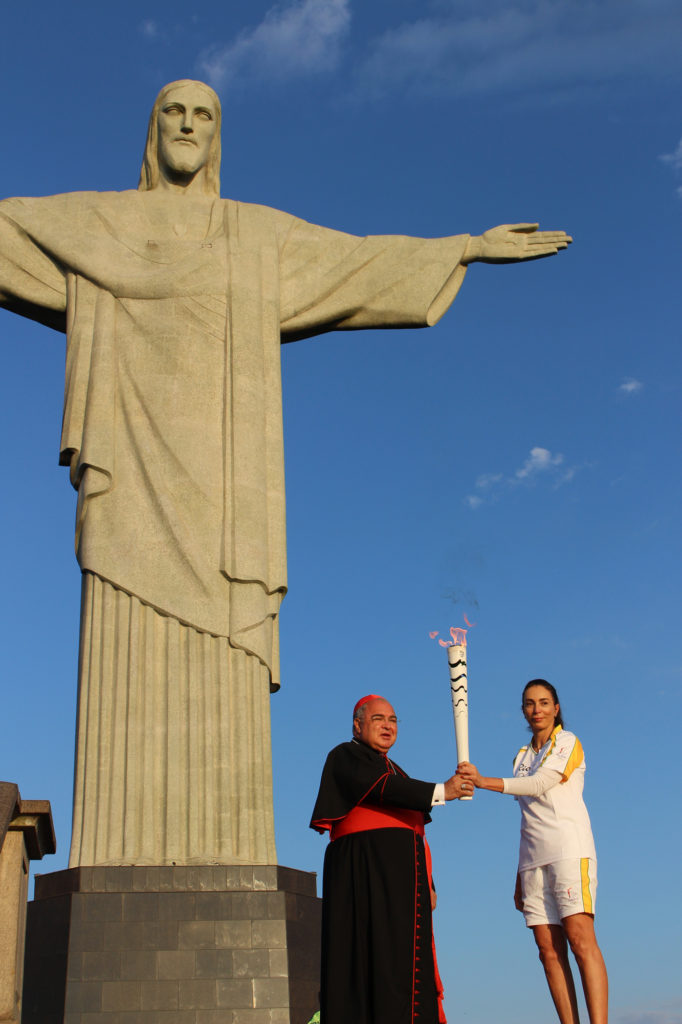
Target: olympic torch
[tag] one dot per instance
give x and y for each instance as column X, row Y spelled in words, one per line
column 459, row 690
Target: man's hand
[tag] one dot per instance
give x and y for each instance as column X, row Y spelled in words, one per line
column 508, row 243
column 456, row 787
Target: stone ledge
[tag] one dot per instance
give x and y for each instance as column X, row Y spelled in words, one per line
column 31, row 817
column 206, row 878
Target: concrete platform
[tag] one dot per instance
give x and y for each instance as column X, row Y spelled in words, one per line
column 173, row 945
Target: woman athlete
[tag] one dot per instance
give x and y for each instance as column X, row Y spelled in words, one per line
column 557, row 877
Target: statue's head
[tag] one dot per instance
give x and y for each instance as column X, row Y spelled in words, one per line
column 183, row 137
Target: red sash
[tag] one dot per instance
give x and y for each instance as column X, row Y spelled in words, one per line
column 364, row 817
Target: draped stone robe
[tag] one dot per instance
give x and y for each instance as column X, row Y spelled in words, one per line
column 174, row 310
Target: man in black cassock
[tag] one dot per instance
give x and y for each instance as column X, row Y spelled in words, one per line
column 378, row 959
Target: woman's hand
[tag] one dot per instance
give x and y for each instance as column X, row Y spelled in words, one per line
column 469, row 773
column 518, row 896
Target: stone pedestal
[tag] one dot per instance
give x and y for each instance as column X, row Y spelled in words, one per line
column 26, row 834
column 173, row 945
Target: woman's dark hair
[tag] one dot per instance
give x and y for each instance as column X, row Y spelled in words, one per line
column 558, row 719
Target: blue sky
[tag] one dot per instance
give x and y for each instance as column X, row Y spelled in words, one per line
column 518, row 463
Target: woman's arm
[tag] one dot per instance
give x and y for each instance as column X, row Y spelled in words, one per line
column 531, row 785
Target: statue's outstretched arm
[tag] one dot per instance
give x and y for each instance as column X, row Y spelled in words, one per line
column 510, row 242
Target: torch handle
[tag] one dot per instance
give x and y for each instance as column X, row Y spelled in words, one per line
column 459, row 689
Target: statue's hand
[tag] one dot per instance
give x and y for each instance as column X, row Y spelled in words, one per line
column 510, row 242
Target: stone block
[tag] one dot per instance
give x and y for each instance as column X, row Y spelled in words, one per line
column 177, row 906
column 87, row 937
column 236, row 879
column 270, row 992
column 137, row 964
column 251, row 963
column 235, row 993
column 197, row 994
column 265, row 876
column 200, row 878
column 142, row 934
column 82, row 996
column 179, row 876
column 119, row 879
column 213, row 906
column 233, row 934
column 100, row 966
column 271, row 934
column 291, row 880
column 95, row 880
column 252, row 1016
column 277, row 905
column 214, row 963
column 160, row 995
column 146, row 879
column 121, row 995
column 176, row 963
column 100, row 906
column 196, row 935
column 140, row 906
column 278, row 963
column 250, row 905
column 166, row 878
column 75, row 966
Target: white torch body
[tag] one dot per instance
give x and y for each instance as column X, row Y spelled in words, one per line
column 459, row 689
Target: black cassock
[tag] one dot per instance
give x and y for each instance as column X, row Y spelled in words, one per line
column 377, row 951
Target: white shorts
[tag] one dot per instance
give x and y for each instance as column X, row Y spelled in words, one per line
column 555, row 891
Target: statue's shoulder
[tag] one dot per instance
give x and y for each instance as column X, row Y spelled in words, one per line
column 259, row 218
column 68, row 201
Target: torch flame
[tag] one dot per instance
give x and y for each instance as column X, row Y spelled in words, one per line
column 458, row 634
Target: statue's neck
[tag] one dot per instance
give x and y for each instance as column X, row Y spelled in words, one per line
column 179, row 216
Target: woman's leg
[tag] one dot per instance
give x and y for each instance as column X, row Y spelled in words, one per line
column 551, row 942
column 579, row 930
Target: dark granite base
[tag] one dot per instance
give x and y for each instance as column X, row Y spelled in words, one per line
column 173, row 945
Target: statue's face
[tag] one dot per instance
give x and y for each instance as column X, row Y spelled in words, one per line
column 187, row 124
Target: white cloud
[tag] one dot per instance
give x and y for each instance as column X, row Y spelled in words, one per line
column 486, row 480
column 674, row 158
column 490, row 487
column 149, row 28
column 630, row 386
column 525, row 46
column 301, row 38
column 566, row 476
column 539, row 460
column 675, row 161
column 661, row 1013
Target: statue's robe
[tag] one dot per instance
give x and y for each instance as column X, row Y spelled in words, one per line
column 174, row 311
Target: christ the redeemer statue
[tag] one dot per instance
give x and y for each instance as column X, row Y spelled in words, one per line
column 174, row 303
